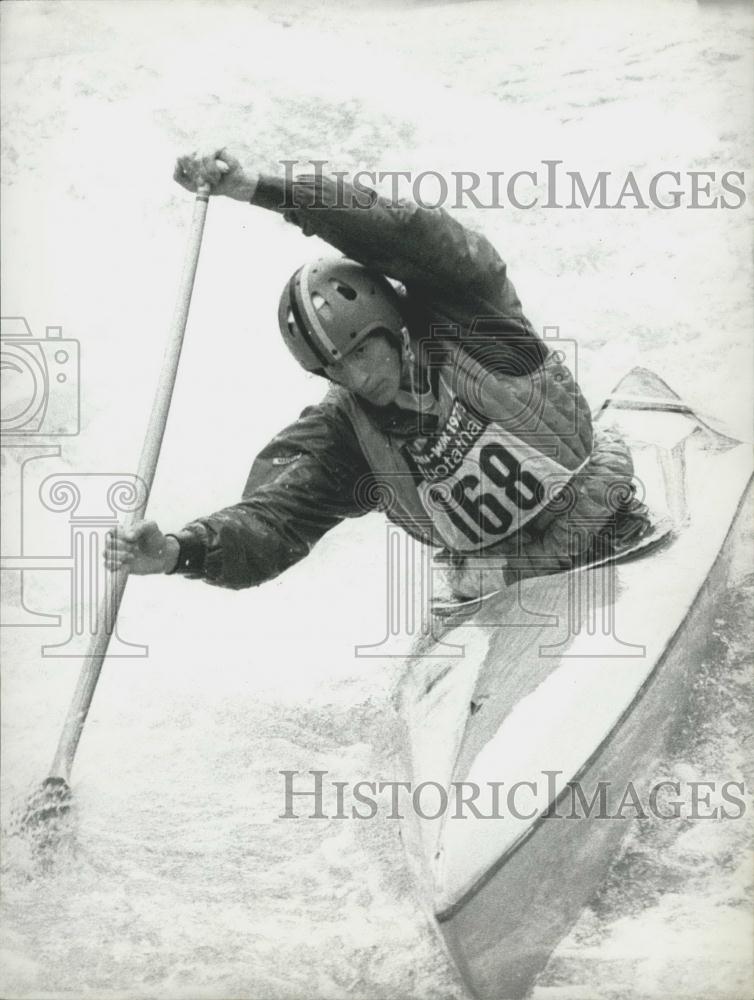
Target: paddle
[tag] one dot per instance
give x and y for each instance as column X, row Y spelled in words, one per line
column 52, row 799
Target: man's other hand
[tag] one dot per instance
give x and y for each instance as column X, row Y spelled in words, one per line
column 142, row 548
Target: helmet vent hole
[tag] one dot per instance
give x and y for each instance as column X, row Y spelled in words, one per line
column 317, row 301
column 345, row 290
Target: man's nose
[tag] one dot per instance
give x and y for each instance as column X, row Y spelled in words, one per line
column 354, row 377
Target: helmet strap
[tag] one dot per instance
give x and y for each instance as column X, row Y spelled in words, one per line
column 408, row 359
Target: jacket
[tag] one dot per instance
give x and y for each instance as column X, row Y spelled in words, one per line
column 457, row 296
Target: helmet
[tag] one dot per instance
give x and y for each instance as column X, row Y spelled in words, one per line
column 330, row 305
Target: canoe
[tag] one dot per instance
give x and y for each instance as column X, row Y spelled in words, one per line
column 567, row 689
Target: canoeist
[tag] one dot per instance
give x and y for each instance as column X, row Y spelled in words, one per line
column 444, row 408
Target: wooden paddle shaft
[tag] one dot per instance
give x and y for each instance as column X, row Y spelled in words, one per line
column 107, row 611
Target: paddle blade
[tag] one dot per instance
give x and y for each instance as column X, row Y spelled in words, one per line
column 49, row 804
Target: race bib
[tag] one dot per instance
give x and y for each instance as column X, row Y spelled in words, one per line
column 480, row 483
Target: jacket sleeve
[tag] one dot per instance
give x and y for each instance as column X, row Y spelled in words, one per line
column 454, row 276
column 303, row 483
column 422, row 247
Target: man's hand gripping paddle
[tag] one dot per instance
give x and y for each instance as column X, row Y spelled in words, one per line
column 53, row 799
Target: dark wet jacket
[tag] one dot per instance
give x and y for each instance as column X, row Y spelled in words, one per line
column 314, row 473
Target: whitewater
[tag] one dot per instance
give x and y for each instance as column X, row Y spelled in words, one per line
column 180, row 878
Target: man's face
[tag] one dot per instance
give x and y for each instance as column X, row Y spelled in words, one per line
column 372, row 370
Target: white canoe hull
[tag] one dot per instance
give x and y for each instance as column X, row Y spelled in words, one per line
column 569, row 678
